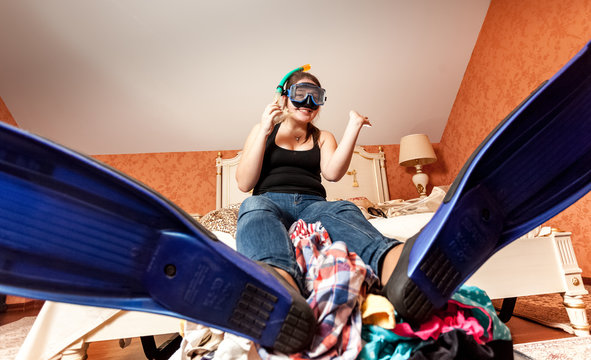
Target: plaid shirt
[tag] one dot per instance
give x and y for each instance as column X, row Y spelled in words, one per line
column 337, row 281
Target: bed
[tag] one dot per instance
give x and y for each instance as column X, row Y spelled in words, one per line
column 549, row 267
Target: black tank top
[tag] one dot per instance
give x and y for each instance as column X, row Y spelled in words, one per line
column 290, row 171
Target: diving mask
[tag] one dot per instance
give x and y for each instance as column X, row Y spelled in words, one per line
column 306, row 95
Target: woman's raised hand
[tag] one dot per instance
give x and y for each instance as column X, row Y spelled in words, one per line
column 272, row 111
column 358, row 120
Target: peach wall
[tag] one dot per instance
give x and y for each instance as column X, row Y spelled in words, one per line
column 5, row 115
column 521, row 43
column 186, row 178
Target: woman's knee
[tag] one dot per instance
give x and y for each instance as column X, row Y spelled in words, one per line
column 256, row 203
column 336, row 207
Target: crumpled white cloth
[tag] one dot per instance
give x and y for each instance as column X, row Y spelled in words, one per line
column 201, row 341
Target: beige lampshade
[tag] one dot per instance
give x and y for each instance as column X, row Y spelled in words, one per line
column 416, row 149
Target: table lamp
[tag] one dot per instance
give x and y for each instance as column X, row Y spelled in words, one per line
column 416, row 150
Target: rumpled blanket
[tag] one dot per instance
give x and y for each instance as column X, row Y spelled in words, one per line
column 338, row 281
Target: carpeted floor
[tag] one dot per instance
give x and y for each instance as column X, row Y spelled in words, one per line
column 13, row 335
column 572, row 348
column 547, row 310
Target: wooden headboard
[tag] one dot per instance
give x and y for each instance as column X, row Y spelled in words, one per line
column 366, row 177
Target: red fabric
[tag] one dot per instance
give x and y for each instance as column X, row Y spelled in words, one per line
column 452, row 318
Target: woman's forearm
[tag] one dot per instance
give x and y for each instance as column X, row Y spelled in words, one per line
column 341, row 158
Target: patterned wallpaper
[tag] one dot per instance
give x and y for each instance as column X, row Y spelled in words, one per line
column 186, row 178
column 521, row 43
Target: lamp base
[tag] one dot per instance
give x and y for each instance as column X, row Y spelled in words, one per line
column 420, row 179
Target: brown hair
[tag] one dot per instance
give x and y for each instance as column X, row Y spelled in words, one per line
column 294, row 78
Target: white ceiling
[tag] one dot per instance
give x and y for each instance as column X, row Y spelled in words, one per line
column 140, row 76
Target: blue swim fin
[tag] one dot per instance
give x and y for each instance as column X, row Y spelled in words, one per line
column 535, row 164
column 74, row 230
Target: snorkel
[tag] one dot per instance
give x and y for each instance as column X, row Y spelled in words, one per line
column 280, row 88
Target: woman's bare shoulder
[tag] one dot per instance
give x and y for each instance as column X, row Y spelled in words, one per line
column 326, row 137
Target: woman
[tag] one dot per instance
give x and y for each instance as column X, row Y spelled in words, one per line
column 282, row 160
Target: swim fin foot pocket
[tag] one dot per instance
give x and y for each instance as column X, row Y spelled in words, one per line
column 74, row 230
column 532, row 166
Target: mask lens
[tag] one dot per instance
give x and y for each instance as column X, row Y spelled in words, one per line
column 300, row 93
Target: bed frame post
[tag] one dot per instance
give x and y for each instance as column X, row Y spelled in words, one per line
column 383, row 177
column 218, row 181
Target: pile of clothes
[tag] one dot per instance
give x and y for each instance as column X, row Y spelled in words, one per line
column 357, row 323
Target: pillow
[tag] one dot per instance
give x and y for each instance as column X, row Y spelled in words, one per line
column 223, row 219
column 401, row 227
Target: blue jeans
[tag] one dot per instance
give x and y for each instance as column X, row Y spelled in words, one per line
column 264, row 220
